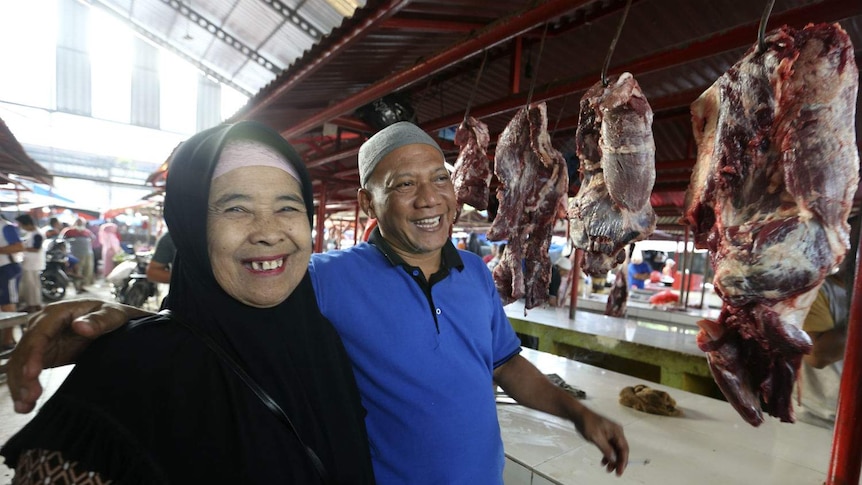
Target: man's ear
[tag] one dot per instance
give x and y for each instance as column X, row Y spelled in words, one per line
column 365, row 202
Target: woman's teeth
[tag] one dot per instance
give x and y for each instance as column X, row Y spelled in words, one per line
column 428, row 223
column 267, row 265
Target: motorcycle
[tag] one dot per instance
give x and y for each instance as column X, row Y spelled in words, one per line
column 54, row 278
column 129, row 280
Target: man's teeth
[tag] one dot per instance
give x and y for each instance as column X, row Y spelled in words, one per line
column 267, row 265
column 430, row 222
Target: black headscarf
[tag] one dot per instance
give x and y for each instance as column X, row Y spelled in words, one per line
column 151, row 403
column 291, row 350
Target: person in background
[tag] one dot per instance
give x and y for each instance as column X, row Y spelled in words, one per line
column 110, row 240
column 81, row 246
column 639, row 271
column 559, row 273
column 669, row 269
column 462, row 243
column 156, row 403
column 53, row 228
column 32, row 265
column 422, row 322
column 488, row 257
column 473, row 244
column 11, row 249
column 159, row 267
column 498, row 255
column 826, row 324
column 97, row 250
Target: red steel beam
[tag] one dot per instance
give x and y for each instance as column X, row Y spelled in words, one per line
column 312, row 64
column 665, row 102
column 426, row 25
column 495, row 34
column 745, row 35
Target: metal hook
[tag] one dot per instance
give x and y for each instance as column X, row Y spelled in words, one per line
column 761, row 30
column 536, row 70
column 476, row 85
column 614, row 44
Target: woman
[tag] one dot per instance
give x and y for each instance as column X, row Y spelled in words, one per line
column 110, row 241
column 156, row 404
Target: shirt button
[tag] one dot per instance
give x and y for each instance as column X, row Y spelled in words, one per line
column 415, row 272
column 439, row 311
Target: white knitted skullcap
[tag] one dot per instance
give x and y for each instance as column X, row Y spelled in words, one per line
column 385, row 141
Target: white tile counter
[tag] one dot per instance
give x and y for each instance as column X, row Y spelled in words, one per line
column 661, row 352
column 709, row 444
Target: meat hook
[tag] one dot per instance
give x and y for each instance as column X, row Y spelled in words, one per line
column 536, row 70
column 614, row 44
column 476, row 84
column 761, row 30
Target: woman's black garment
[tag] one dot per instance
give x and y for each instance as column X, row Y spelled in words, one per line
column 194, row 419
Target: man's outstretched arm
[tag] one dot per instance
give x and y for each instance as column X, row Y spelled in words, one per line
column 526, row 384
column 56, row 336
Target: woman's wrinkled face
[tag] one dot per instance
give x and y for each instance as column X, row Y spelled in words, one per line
column 258, row 232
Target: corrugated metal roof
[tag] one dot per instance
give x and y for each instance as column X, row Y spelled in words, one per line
column 14, row 160
column 430, row 51
column 244, row 43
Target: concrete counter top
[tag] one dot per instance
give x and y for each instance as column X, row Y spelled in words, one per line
column 709, row 444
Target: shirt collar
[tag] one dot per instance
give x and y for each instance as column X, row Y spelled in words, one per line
column 449, row 258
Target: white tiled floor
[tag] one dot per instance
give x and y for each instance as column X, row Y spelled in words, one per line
column 10, row 422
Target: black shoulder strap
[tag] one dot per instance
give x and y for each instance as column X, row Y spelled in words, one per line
column 265, row 398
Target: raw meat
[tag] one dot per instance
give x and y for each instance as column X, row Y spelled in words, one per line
column 664, row 298
column 615, row 145
column 472, row 175
column 534, row 183
column 777, row 168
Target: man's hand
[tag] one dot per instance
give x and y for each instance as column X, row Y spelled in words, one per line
column 608, row 437
column 529, row 387
column 56, row 336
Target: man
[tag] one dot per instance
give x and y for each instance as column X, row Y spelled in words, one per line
column 33, row 264
column 427, row 336
column 81, row 246
column 10, row 275
column 53, row 228
column 639, row 270
column 159, row 267
column 820, row 374
column 559, row 273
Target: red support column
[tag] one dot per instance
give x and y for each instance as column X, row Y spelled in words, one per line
column 515, row 66
column 321, row 218
column 846, row 460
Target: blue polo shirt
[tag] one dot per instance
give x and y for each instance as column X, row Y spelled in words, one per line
column 424, row 354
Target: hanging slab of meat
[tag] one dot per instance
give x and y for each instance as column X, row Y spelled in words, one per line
column 777, row 168
column 534, row 182
column 472, row 175
column 615, row 145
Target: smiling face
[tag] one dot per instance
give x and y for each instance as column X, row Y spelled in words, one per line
column 258, row 233
column 410, row 193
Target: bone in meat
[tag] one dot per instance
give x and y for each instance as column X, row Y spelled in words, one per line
column 534, row 182
column 777, row 168
column 615, row 145
column 472, row 175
